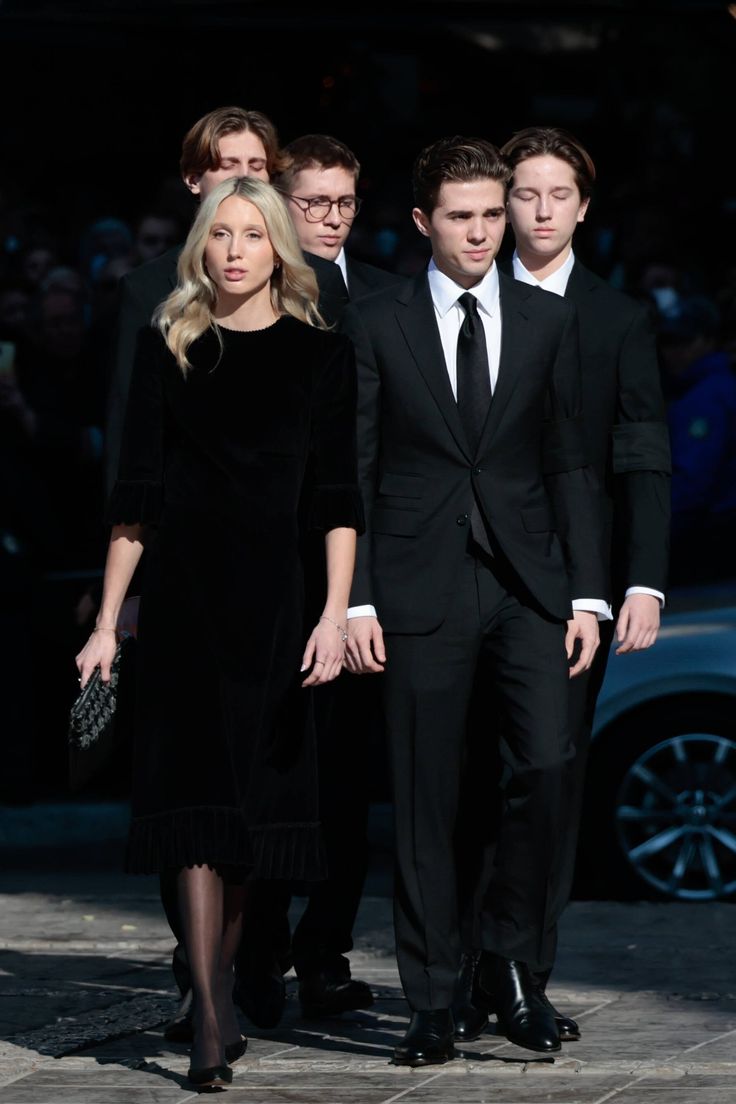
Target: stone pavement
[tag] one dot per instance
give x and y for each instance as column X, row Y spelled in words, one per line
column 85, row 985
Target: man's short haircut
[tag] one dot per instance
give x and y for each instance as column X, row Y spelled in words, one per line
column 553, row 142
column 455, row 159
column 316, row 151
column 200, row 151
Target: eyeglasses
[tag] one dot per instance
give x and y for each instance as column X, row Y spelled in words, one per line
column 319, row 207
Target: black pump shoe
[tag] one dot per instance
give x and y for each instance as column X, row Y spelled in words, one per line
column 429, row 1040
column 211, row 1077
column 233, row 1051
column 507, row 988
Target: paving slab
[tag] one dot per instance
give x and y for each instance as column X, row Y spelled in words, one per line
column 85, row 986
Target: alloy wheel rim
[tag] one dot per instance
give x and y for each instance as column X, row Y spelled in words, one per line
column 676, row 816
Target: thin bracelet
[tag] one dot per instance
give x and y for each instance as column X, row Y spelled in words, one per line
column 340, row 628
column 104, row 628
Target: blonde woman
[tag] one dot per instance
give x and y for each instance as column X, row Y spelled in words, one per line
column 239, row 436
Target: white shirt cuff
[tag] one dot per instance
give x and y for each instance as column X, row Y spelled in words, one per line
column 362, row 611
column 646, row 590
column 594, row 605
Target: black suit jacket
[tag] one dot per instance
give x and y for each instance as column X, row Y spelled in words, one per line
column 365, row 279
column 625, row 429
column 141, row 291
column 419, row 479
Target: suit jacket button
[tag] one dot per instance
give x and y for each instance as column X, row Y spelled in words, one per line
column 477, row 471
column 462, row 519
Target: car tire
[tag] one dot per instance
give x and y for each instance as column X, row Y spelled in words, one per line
column 655, row 825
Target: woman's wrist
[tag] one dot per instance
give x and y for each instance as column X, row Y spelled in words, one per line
column 105, row 622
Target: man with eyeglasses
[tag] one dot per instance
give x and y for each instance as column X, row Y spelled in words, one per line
column 319, row 185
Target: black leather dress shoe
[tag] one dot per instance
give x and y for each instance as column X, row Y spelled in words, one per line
column 507, row 988
column 429, row 1040
column 330, row 991
column 470, row 1022
column 179, row 1029
column 260, row 993
column 567, row 1027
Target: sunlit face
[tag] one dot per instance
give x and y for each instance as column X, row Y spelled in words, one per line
column 465, row 228
column 241, row 154
column 544, row 206
column 326, row 237
column 239, row 256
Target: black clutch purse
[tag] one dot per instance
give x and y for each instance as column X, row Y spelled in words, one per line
column 93, row 721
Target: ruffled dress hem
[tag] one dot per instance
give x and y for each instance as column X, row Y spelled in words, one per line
column 217, row 836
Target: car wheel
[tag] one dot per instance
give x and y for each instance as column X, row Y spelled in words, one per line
column 665, row 787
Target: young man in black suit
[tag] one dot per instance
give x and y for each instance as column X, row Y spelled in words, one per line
column 481, row 560
column 320, row 183
column 627, row 443
column 229, row 141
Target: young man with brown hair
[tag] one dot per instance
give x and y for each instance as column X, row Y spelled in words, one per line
column 627, row 444
column 480, row 561
column 320, row 183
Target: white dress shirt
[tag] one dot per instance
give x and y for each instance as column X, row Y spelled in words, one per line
column 556, row 282
column 450, row 317
column 341, row 262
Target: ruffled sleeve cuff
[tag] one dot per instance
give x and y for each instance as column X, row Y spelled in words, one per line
column 135, row 502
column 337, row 506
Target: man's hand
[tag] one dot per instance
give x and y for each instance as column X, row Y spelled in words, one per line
column 366, row 652
column 638, row 623
column 583, row 627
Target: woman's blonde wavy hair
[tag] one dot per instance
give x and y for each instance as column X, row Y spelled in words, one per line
column 187, row 313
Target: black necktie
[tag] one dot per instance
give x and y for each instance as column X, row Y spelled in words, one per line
column 473, row 395
column 473, row 380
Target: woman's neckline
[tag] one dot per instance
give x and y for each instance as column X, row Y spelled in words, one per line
column 259, row 329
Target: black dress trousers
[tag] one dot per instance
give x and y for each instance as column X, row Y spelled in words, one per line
column 491, row 633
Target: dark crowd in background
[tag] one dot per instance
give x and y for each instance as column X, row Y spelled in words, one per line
column 660, row 228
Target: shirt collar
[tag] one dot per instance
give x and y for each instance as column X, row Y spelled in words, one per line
column 556, row 282
column 341, row 262
column 445, row 292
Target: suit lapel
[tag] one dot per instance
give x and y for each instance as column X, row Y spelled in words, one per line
column 514, row 320
column 415, row 315
column 580, row 283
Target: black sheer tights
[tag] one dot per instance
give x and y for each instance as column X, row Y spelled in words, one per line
column 211, row 916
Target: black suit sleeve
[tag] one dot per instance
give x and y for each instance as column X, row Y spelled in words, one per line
column 641, row 462
column 335, row 498
column 368, row 423
column 133, row 317
column 137, row 496
column 571, row 482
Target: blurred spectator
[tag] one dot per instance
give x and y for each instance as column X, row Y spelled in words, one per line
column 701, row 386
column 105, row 295
column 14, row 306
column 36, row 263
column 103, row 241
column 155, row 234
column 63, row 386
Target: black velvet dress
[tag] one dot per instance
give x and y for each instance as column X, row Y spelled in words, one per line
column 232, row 465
